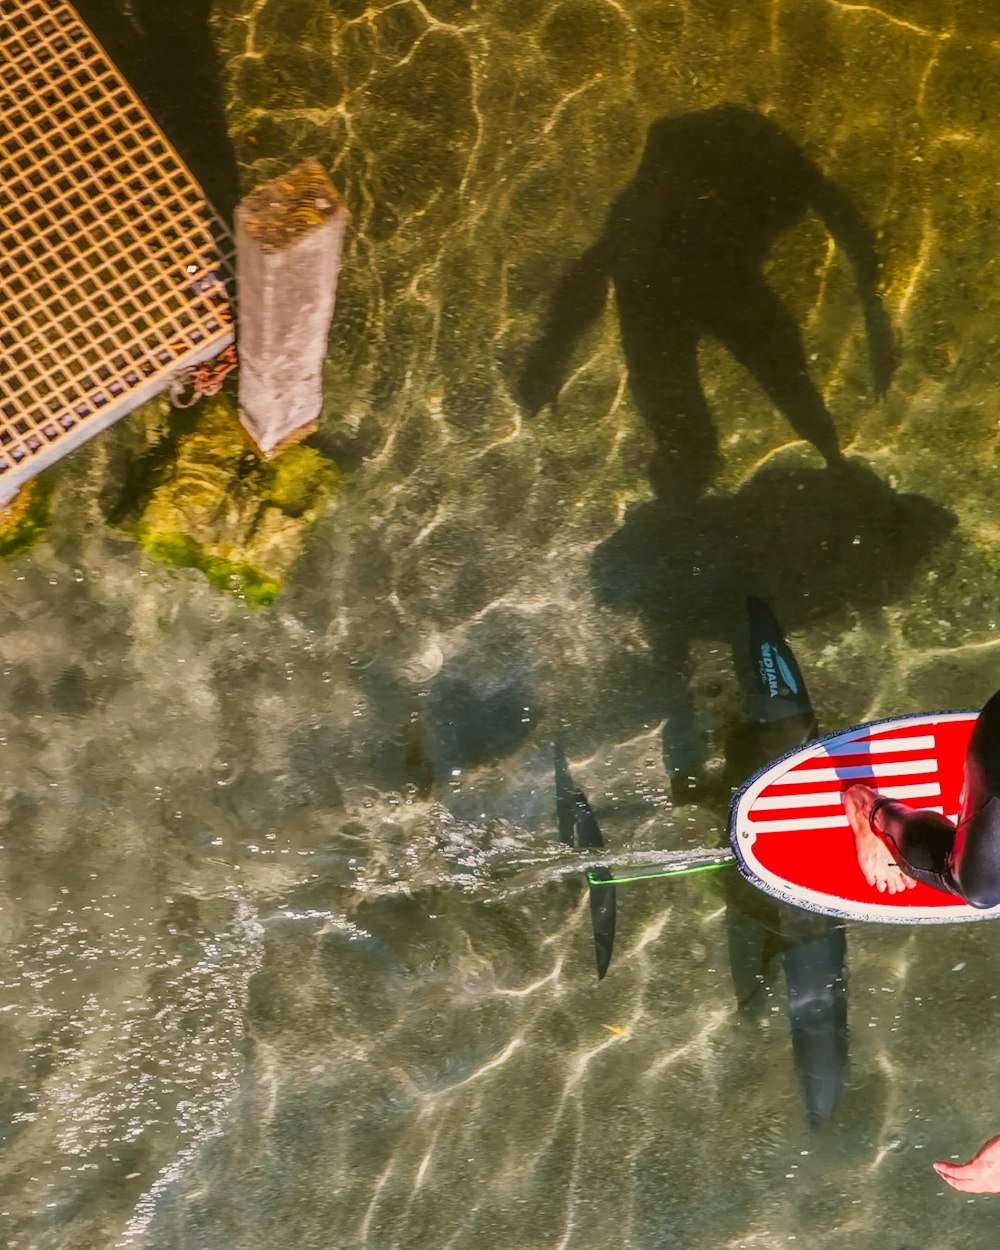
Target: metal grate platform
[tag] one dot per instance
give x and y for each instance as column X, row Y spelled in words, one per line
column 112, row 274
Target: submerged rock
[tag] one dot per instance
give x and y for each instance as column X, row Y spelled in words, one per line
column 201, row 498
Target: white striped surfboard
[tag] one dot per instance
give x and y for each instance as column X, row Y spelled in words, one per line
column 790, row 834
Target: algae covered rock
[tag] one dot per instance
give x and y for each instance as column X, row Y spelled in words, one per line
column 25, row 517
column 202, row 498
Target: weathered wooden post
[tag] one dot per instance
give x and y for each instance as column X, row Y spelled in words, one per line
column 288, row 239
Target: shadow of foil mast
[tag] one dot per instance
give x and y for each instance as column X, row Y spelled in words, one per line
column 577, row 824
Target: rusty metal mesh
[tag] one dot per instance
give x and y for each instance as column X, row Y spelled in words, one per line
column 112, row 265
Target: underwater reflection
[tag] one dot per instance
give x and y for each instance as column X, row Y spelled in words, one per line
column 684, row 246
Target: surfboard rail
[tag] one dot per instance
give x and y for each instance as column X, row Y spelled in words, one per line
column 789, row 831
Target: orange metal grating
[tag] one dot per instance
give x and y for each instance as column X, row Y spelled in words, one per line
column 112, row 264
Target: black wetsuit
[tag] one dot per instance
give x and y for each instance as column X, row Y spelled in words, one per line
column 962, row 859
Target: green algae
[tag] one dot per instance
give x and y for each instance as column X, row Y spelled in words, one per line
column 185, row 552
column 26, row 517
column 201, row 498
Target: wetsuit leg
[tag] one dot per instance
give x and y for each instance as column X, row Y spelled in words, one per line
column 962, row 859
column 976, row 855
column 922, row 842
column 976, row 859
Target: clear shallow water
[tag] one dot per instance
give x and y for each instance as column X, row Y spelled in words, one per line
column 289, row 953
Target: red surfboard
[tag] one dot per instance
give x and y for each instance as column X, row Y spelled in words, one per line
column 790, row 834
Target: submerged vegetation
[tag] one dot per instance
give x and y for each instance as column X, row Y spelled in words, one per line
column 25, row 517
column 202, row 498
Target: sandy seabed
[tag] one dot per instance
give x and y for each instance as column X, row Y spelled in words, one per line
column 286, row 960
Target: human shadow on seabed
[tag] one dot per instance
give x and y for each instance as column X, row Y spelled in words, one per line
column 813, row 543
column 684, row 246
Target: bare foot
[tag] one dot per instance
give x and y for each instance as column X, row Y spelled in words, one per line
column 980, row 1175
column 874, row 857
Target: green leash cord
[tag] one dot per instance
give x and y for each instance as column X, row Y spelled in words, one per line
column 666, row 872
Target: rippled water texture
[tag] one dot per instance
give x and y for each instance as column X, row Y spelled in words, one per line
column 291, row 953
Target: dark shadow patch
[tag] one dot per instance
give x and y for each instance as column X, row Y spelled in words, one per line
column 814, row 544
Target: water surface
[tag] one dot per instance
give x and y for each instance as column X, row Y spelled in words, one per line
column 291, row 951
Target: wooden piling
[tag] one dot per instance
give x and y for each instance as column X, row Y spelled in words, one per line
column 289, row 235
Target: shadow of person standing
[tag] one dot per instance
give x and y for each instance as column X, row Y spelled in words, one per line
column 684, row 245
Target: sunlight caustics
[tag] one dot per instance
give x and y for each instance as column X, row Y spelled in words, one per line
column 416, row 1052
